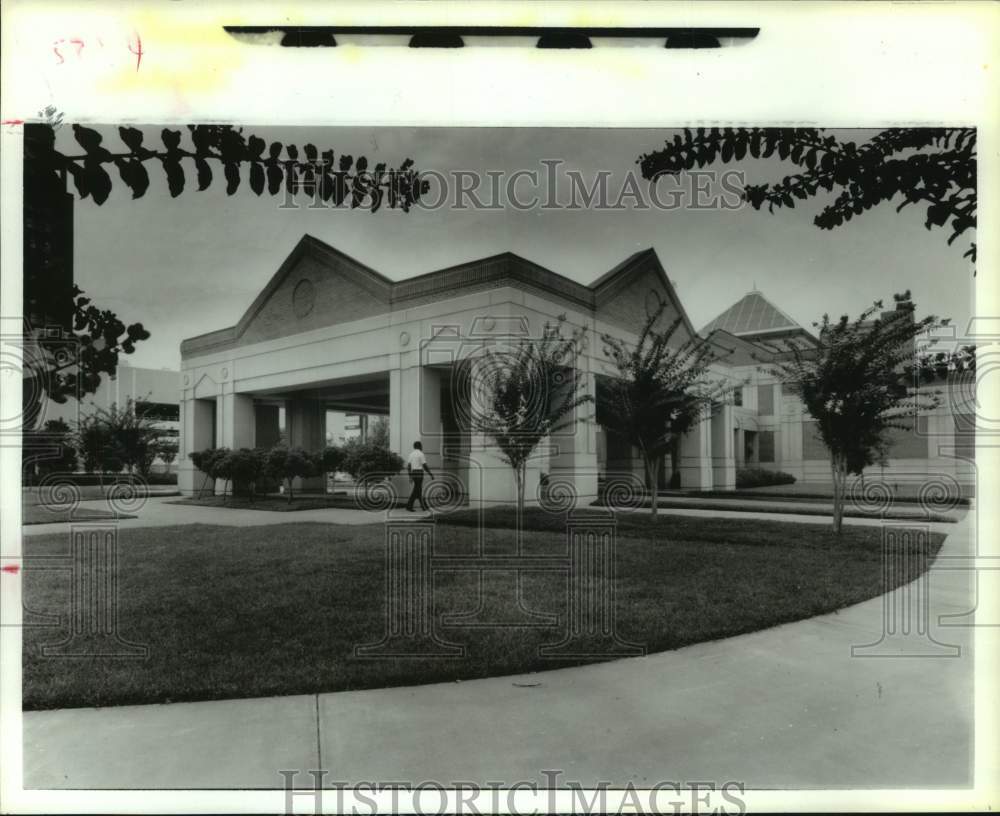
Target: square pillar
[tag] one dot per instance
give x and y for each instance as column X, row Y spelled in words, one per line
column 415, row 415
column 234, row 425
column 723, row 449
column 197, row 430
column 789, row 454
column 491, row 479
column 235, row 421
column 306, row 423
column 696, row 456
column 267, row 429
column 573, row 450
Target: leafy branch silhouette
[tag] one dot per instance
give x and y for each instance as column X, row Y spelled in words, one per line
column 935, row 166
column 271, row 167
column 71, row 362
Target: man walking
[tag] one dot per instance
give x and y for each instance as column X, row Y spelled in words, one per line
column 415, row 466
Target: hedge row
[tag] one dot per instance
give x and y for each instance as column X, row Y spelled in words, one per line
column 761, row 477
column 248, row 469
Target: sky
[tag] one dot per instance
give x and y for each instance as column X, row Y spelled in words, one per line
column 193, row 264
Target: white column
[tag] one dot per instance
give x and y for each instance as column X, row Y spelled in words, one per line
column 789, row 452
column 573, row 450
column 196, row 417
column 491, row 480
column 306, row 423
column 696, row 457
column 723, row 452
column 415, row 415
column 234, row 424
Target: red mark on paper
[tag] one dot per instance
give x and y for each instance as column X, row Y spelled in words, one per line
column 137, row 50
column 134, row 45
column 13, row 569
column 12, row 122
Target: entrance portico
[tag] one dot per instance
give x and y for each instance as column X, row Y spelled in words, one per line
column 328, row 333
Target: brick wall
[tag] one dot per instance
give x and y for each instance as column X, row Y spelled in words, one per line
column 336, row 299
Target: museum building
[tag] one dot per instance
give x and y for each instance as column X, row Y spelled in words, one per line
column 328, row 333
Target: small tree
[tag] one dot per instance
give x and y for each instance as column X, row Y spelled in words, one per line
column 117, row 438
column 530, row 393
column 856, row 387
column 206, row 461
column 287, row 464
column 166, row 449
column 245, row 467
column 378, row 432
column 92, row 440
column 222, row 468
column 363, row 458
column 332, row 459
column 36, row 453
column 659, row 392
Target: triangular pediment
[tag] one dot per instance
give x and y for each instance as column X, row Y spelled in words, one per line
column 316, row 286
column 627, row 294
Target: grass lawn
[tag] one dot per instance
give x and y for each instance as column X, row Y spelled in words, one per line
column 243, row 612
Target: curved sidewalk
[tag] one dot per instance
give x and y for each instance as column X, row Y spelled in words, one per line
column 165, row 512
column 783, row 707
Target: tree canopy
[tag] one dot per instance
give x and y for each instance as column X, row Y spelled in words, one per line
column 858, row 386
column 530, row 391
column 660, row 389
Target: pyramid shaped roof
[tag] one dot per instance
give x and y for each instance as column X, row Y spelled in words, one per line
column 752, row 314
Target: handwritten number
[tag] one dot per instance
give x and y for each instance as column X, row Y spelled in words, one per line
column 137, row 50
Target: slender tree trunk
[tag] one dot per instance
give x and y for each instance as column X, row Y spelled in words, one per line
column 519, row 479
column 652, row 479
column 839, row 477
column 289, row 480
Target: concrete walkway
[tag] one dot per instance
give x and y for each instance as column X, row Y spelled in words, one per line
column 900, row 511
column 784, row 707
column 164, row 512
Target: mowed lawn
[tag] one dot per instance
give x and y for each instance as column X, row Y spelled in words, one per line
column 243, row 612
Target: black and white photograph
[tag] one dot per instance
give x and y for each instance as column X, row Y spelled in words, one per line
column 438, row 467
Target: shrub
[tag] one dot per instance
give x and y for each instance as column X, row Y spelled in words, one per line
column 760, row 477
column 332, row 459
column 207, row 461
column 364, row 458
column 37, row 455
column 162, row 479
column 287, row 464
column 245, row 468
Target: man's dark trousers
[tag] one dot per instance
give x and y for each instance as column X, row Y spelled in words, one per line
column 417, row 494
